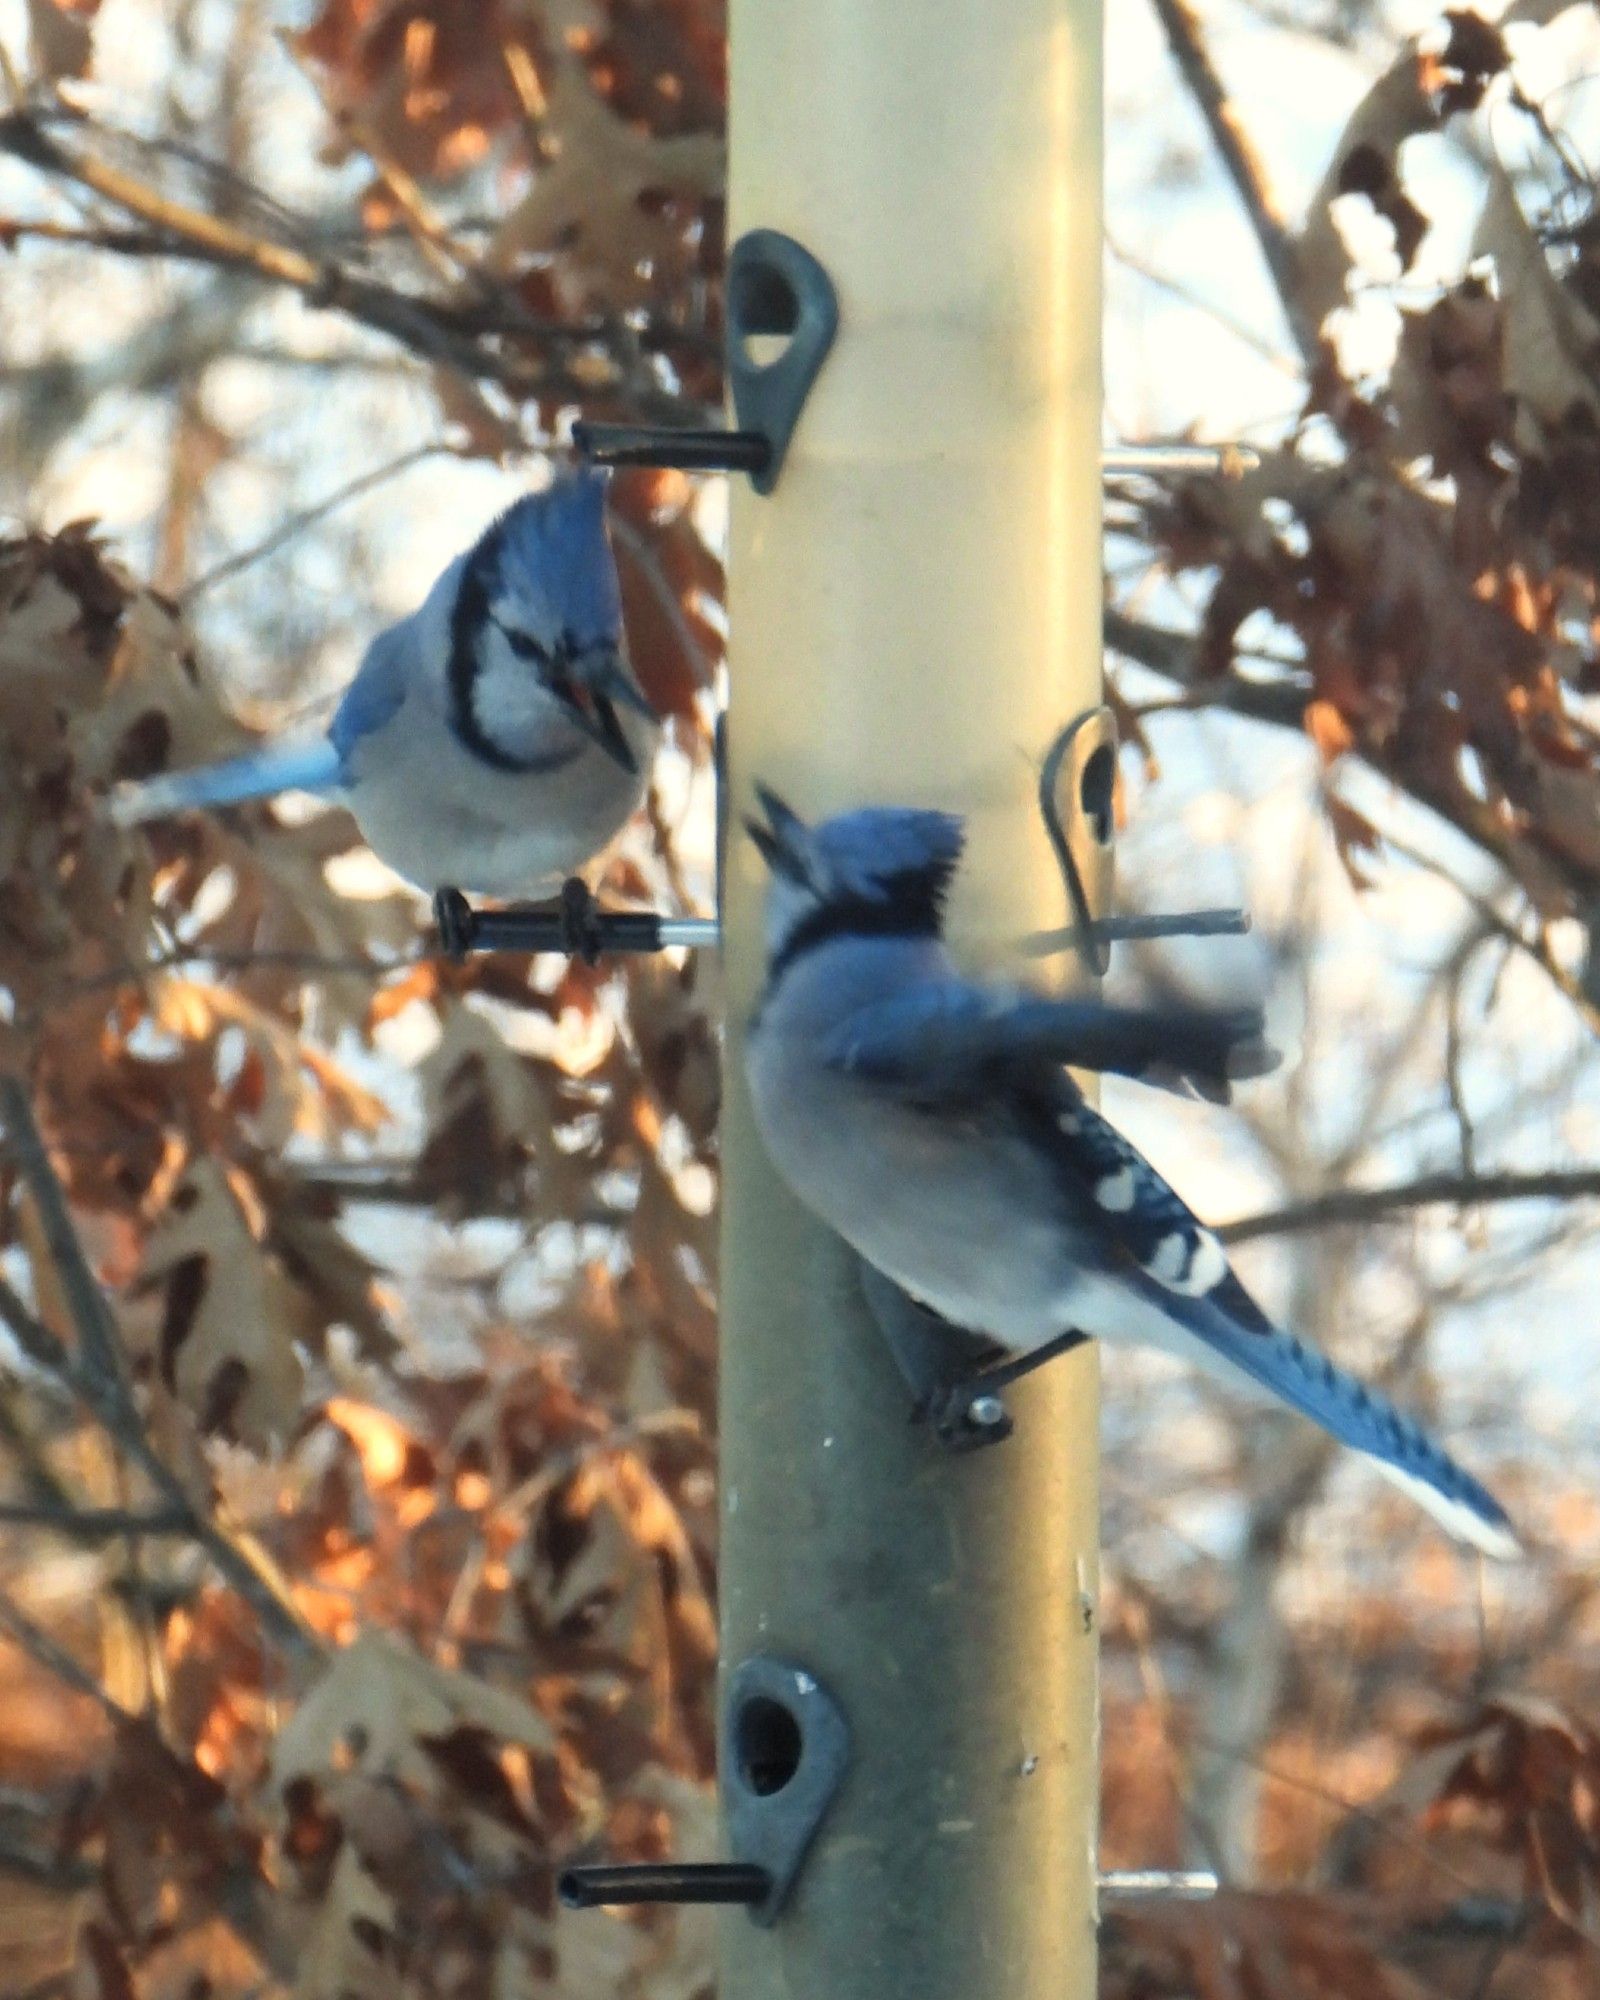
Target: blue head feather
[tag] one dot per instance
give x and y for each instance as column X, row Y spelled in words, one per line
column 871, row 851
column 551, row 555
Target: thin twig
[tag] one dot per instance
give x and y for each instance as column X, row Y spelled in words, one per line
column 453, row 331
column 319, row 510
column 1239, row 156
column 1344, row 1207
column 95, row 1524
column 1198, row 302
column 98, row 1375
column 35, row 1641
column 98, row 1363
column 1173, row 655
column 41, row 1346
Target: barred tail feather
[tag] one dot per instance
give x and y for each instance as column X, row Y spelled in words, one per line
column 1349, row 1411
column 302, row 767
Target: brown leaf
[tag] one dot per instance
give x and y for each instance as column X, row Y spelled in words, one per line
column 1328, row 729
column 1354, row 836
column 596, row 202
column 379, row 1700
column 61, row 34
column 1552, row 343
column 1366, row 161
column 231, row 1318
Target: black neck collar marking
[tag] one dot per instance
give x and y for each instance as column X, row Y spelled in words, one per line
column 911, row 906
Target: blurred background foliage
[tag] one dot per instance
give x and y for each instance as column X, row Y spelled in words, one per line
column 357, row 1502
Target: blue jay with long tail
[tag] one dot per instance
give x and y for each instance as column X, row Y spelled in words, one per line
column 495, row 740
column 930, row 1120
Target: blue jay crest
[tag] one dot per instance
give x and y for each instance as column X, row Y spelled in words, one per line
column 879, row 871
column 537, row 567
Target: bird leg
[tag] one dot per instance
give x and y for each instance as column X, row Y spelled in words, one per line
column 938, row 1360
column 581, row 935
column 456, row 922
column 955, row 1375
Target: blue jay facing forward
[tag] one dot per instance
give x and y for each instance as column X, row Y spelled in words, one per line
column 495, row 740
column 930, row 1121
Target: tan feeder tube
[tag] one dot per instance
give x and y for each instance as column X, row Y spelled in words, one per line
column 915, row 612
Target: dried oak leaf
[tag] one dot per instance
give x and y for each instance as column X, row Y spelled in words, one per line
column 170, row 1830
column 1448, row 381
column 668, row 576
column 152, row 709
column 346, row 1940
column 1354, row 837
column 1366, row 161
column 427, row 82
column 1529, row 1775
column 1474, row 54
column 61, row 37
column 489, row 1110
column 326, row 1265
column 285, row 1085
column 231, row 1319
column 1552, row 342
column 385, row 1726
column 607, row 205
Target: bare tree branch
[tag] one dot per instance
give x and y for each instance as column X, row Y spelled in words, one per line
column 1283, row 704
column 95, row 1524
column 1239, row 156
column 38, row 1644
column 458, row 332
column 306, row 517
column 1345, row 1207
column 96, row 1372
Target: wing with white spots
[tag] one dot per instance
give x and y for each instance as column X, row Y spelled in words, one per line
column 1144, row 1217
column 1178, row 1266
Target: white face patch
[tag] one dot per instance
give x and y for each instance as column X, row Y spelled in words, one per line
column 1190, row 1263
column 1116, row 1192
column 788, row 905
column 1070, row 1123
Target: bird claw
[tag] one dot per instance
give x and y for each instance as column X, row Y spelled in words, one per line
column 964, row 1417
column 581, row 935
column 456, row 922
column 967, row 1413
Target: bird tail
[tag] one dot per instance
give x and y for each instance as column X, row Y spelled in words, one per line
column 302, row 767
column 1349, row 1411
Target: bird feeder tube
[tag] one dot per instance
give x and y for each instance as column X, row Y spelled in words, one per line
column 914, row 609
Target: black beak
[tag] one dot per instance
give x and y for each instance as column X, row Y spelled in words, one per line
column 782, row 839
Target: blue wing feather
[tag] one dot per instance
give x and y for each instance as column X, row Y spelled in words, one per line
column 941, row 1040
column 373, row 697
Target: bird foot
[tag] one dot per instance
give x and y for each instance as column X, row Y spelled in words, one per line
column 967, row 1414
column 573, row 923
column 456, row 922
column 963, row 1417
column 581, row 933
